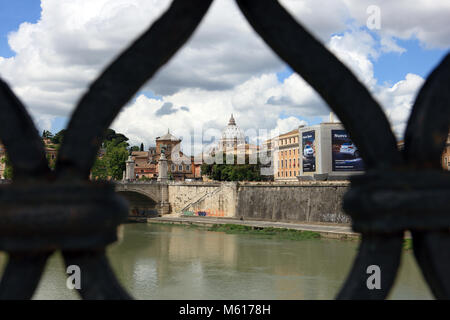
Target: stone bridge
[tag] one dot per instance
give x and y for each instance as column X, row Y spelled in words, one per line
column 145, row 198
column 270, row 201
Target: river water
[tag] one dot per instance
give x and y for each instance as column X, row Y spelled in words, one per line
column 174, row 262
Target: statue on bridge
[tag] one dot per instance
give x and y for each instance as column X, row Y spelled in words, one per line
column 162, row 166
column 129, row 169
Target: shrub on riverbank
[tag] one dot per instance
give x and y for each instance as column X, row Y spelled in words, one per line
column 407, row 244
column 281, row 233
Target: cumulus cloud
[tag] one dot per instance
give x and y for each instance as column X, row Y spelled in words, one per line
column 258, row 102
column 224, row 68
column 425, row 20
column 287, row 124
column 398, row 99
column 166, row 108
column 356, row 48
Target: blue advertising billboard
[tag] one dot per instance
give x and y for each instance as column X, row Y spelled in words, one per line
column 309, row 151
column 345, row 155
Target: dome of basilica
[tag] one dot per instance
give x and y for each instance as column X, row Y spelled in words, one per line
column 232, row 135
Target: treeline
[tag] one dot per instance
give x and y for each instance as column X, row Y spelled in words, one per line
column 54, row 138
column 115, row 150
column 112, row 164
column 233, row 172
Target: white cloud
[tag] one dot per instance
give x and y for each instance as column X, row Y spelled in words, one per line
column 424, row 19
column 224, row 68
column 287, row 124
column 398, row 99
column 355, row 48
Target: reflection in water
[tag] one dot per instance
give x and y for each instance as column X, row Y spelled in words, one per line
column 173, row 262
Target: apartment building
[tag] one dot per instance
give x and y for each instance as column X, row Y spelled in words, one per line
column 287, row 156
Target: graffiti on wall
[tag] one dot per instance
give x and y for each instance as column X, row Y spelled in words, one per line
column 143, row 212
column 205, row 213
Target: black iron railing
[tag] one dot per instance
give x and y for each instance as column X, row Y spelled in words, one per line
column 43, row 211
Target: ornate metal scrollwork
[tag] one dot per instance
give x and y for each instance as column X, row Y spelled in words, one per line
column 43, row 210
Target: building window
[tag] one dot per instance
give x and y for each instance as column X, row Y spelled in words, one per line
column 188, row 167
column 180, row 167
column 172, row 167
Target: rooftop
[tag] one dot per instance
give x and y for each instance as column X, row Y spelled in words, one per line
column 168, row 137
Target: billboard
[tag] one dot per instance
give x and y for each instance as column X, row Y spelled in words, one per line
column 309, row 151
column 345, row 155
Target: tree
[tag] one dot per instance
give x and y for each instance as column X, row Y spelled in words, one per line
column 142, row 147
column 8, row 172
column 206, row 169
column 112, row 164
column 58, row 138
column 111, row 135
column 47, row 134
column 115, row 156
column 134, row 148
column 51, row 162
column 99, row 170
column 144, row 178
column 233, row 172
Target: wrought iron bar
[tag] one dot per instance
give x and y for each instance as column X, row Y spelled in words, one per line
column 43, row 210
column 121, row 80
column 399, row 192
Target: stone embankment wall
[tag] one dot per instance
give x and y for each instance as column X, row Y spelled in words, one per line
column 203, row 198
column 270, row 201
column 293, row 202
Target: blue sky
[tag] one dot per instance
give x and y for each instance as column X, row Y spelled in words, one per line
column 392, row 67
column 12, row 14
column 389, row 68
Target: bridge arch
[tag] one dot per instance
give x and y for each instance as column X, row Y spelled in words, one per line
column 144, row 201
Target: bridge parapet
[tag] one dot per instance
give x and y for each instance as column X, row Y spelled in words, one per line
column 128, row 182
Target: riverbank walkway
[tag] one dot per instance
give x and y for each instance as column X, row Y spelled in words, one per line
column 336, row 231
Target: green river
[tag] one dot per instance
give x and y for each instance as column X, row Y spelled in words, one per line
column 174, row 262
